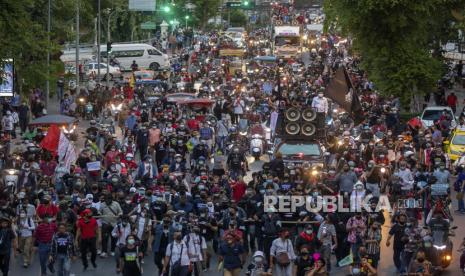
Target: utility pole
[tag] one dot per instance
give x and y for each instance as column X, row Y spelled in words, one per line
column 77, row 45
column 98, row 41
column 47, row 84
column 107, row 78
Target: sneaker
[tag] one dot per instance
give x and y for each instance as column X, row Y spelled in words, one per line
column 142, row 261
column 99, row 251
column 112, row 254
column 103, row 255
column 94, row 264
column 25, row 265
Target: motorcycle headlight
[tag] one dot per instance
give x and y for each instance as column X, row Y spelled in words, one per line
column 11, row 172
column 448, row 257
column 243, row 133
column 440, row 247
column 383, row 170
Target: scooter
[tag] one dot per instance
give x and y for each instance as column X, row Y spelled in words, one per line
column 256, row 146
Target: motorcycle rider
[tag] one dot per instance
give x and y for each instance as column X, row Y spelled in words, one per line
column 236, row 162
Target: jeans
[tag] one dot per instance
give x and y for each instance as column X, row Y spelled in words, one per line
column 406, row 256
column 44, row 250
column 63, row 263
column 374, row 188
column 461, row 204
column 59, row 93
column 397, row 259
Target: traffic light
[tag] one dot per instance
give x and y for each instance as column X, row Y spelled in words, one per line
column 166, row 9
column 109, row 47
column 186, row 17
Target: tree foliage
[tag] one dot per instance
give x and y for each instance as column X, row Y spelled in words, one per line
column 398, row 40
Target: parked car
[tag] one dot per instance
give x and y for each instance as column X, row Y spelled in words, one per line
column 432, row 113
column 92, row 69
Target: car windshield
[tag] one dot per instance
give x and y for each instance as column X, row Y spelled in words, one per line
column 291, row 41
column 297, row 149
column 459, row 139
column 433, row 115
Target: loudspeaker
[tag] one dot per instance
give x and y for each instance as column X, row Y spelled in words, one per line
column 296, row 122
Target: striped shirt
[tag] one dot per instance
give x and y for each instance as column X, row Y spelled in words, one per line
column 44, row 232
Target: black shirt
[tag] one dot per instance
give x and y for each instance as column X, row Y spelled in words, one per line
column 303, row 266
column 398, row 232
column 129, row 256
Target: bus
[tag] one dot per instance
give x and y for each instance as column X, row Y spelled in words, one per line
column 145, row 55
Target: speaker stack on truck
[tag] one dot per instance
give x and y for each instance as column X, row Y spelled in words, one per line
column 297, row 123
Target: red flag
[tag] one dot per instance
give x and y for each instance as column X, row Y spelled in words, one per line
column 51, row 140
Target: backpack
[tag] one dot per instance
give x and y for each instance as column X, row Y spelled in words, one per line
column 269, row 225
column 282, row 258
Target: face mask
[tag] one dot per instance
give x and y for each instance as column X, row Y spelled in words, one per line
column 355, row 271
column 315, row 193
column 149, row 160
column 309, row 232
column 131, row 241
column 49, row 220
column 178, row 160
column 128, row 202
column 262, row 192
column 442, row 167
column 22, row 215
column 370, row 166
column 320, row 95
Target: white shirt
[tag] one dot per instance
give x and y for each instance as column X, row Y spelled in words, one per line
column 26, row 226
column 320, row 104
column 121, row 232
column 177, row 247
column 141, row 224
column 279, row 245
column 196, row 245
column 239, row 106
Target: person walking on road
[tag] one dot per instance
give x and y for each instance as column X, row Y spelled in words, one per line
column 86, row 237
column 62, row 250
column 9, row 242
column 43, row 238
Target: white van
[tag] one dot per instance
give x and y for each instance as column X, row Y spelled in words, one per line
column 145, row 55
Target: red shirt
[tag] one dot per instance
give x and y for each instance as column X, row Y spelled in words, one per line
column 451, row 100
column 238, row 190
column 51, row 210
column 88, row 229
column 193, row 124
column 44, row 232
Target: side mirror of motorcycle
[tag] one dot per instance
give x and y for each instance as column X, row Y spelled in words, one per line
column 446, row 142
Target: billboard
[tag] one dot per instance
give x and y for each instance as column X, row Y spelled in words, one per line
column 142, row 5
column 7, row 79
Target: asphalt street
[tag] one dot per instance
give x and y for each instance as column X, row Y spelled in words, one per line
column 107, row 266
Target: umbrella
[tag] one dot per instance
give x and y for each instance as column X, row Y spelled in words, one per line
column 53, row 120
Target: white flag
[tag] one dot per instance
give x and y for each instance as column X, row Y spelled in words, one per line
column 62, row 146
column 70, row 156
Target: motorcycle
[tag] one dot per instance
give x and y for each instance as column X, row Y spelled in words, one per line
column 439, row 247
column 256, row 146
column 88, row 111
column 10, row 179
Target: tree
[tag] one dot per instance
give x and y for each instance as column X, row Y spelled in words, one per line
column 395, row 39
column 237, row 17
